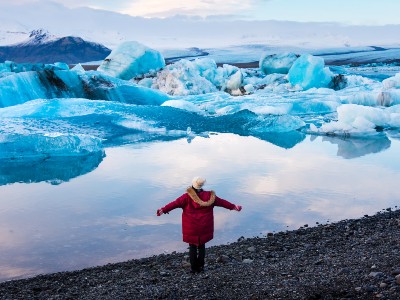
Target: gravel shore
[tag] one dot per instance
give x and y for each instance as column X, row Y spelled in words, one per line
column 351, row 259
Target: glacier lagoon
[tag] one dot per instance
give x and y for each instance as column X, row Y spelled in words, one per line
column 80, row 179
column 104, row 208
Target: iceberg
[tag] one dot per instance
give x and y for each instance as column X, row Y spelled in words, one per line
column 309, row 72
column 358, row 120
column 17, row 146
column 375, row 98
column 12, row 67
column 392, row 82
column 200, row 76
column 187, row 78
column 234, row 83
column 48, row 84
column 131, row 59
column 277, row 63
column 54, row 158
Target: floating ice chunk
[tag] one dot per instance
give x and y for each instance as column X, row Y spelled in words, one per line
column 249, row 88
column 9, row 66
column 22, row 87
column 392, row 82
column 131, row 59
column 309, row 71
column 207, row 68
column 22, row 146
column 277, row 63
column 374, row 98
column 361, row 120
column 356, row 81
column 198, row 77
column 389, row 98
column 223, row 75
column 235, row 81
column 187, row 78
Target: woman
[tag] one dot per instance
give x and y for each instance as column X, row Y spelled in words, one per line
column 197, row 219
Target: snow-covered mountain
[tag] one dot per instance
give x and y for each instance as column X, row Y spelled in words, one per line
column 110, row 29
column 42, row 47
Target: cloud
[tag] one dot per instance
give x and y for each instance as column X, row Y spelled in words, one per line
column 161, row 8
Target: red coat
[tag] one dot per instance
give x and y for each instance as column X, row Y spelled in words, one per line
column 197, row 215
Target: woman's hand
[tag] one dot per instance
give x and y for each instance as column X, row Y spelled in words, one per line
column 238, row 207
column 159, row 212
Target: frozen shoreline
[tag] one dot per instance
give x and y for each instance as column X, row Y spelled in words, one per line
column 357, row 259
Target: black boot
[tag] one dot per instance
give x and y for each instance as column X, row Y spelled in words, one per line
column 193, row 258
column 201, row 257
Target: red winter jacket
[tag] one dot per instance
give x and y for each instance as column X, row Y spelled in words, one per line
column 197, row 215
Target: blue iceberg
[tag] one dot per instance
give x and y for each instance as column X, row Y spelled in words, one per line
column 277, row 63
column 8, row 67
column 48, row 84
column 131, row 59
column 309, row 72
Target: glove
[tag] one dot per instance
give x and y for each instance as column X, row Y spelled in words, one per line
column 238, row 207
column 159, row 212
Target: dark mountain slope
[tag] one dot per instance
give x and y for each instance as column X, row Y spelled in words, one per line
column 43, row 48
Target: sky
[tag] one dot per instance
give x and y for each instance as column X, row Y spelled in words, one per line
column 349, row 12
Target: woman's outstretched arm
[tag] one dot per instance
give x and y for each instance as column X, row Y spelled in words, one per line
column 226, row 204
column 179, row 202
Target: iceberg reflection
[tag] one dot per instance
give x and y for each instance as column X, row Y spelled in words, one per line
column 356, row 147
column 53, row 170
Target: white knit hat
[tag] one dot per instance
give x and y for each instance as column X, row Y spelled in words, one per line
column 198, row 182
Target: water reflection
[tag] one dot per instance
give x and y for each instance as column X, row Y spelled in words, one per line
column 53, row 170
column 285, row 140
column 108, row 214
column 356, row 147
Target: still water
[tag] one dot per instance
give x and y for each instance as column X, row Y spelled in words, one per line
column 81, row 212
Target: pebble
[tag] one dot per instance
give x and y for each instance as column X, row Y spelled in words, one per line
column 396, row 272
column 223, row 259
column 397, row 279
column 376, row 274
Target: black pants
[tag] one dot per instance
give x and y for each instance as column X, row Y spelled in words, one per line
column 197, row 255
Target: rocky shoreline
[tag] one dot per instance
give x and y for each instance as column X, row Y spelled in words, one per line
column 351, row 259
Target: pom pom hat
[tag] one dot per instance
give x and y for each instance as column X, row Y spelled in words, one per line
column 198, row 182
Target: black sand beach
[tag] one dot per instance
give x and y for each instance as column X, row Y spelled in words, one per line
column 351, row 259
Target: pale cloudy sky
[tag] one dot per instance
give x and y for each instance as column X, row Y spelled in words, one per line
column 357, row 12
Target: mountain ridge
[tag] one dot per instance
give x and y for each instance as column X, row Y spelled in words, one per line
column 42, row 47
